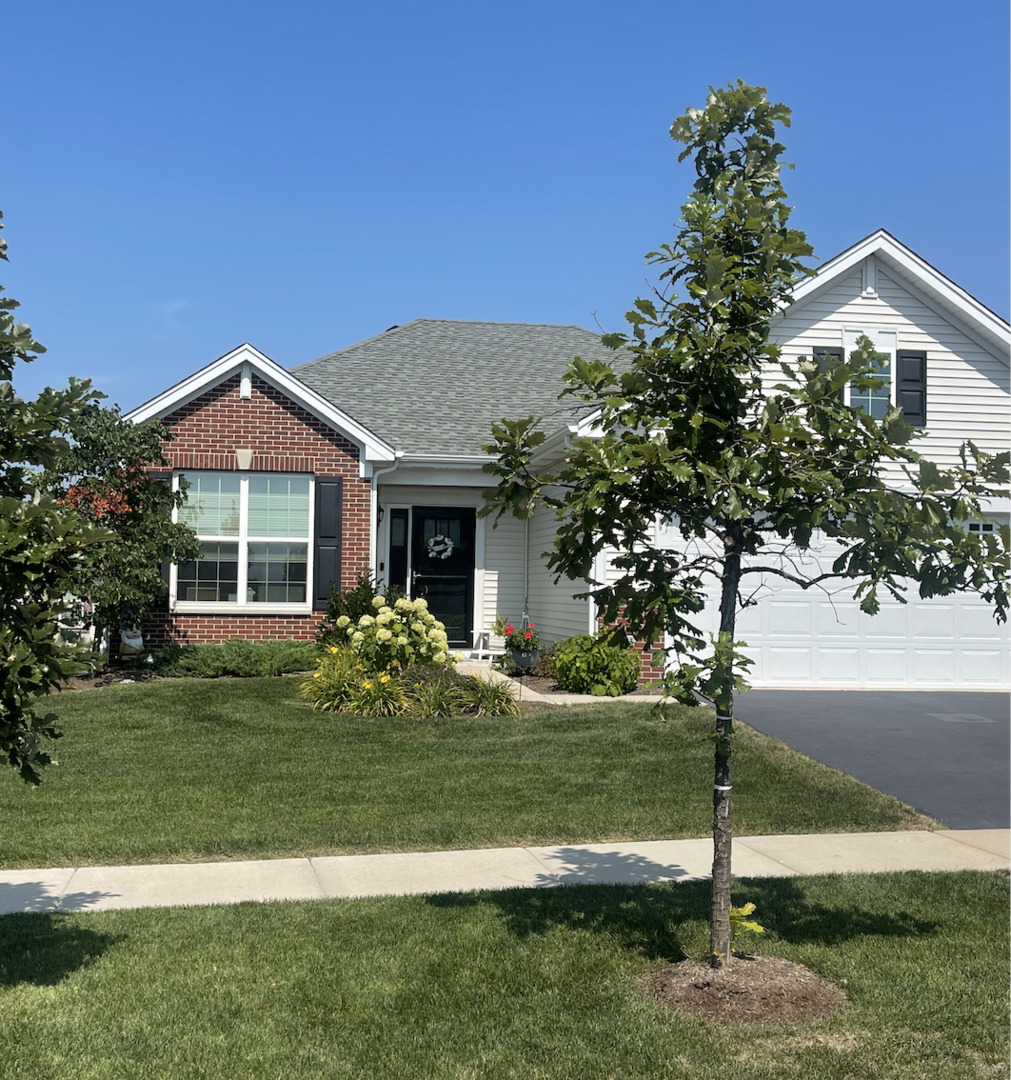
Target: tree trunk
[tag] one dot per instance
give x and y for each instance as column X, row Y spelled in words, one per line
column 719, row 920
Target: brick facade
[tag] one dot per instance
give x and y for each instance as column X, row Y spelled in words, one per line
column 282, row 437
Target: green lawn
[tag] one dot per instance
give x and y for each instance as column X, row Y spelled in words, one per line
column 184, row 769
column 521, row 984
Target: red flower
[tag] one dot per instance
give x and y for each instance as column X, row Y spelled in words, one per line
column 528, row 634
column 509, row 629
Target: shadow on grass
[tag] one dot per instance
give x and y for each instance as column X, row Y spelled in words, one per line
column 604, row 893
column 43, row 949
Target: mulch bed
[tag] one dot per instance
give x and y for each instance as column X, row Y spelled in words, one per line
column 750, row 990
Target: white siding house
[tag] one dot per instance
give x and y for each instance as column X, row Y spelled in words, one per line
column 818, row 638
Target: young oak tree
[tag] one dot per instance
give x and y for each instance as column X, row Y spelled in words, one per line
column 42, row 543
column 745, row 469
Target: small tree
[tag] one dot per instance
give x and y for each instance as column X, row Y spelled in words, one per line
column 42, row 543
column 690, row 433
column 103, row 475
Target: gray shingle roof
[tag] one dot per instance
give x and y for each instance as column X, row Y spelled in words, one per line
column 435, row 386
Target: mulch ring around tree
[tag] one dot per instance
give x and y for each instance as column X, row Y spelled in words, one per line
column 751, row 990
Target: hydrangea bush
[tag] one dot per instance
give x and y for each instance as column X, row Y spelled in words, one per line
column 406, row 633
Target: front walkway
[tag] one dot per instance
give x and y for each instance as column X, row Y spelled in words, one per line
column 106, row 888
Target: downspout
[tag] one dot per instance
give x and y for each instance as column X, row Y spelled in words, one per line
column 374, row 511
column 526, row 571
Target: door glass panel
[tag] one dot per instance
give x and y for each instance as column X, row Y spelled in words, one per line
column 442, row 560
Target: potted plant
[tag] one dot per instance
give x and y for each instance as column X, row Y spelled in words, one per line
column 524, row 644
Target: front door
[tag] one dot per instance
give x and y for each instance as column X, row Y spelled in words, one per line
column 442, row 567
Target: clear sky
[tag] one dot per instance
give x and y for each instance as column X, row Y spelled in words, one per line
column 180, row 178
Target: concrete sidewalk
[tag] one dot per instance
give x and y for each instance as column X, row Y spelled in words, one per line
column 107, row 888
column 486, row 670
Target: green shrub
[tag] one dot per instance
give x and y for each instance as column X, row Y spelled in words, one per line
column 395, row 637
column 235, row 657
column 587, row 665
column 352, row 604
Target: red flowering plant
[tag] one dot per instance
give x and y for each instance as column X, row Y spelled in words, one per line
column 524, row 639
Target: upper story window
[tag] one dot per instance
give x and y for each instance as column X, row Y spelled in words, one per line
column 254, row 532
column 874, row 400
column 898, row 375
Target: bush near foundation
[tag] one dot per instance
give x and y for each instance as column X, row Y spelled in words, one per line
column 235, row 657
column 588, row 665
column 395, row 637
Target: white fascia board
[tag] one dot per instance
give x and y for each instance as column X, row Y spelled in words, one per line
column 427, row 470
column 931, row 282
column 372, row 447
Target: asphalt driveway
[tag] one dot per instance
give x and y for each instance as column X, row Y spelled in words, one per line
column 946, row 753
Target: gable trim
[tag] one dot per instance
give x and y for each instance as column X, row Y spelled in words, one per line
column 245, row 360
column 989, row 329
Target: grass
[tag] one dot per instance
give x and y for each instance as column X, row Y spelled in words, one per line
column 525, row 983
column 180, row 770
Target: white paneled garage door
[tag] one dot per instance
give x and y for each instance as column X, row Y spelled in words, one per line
column 806, row 638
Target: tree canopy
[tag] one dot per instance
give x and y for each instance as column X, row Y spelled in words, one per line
column 700, row 424
column 42, row 543
column 105, row 475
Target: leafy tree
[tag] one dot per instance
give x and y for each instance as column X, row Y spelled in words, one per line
column 41, row 544
column 103, row 474
column 689, row 432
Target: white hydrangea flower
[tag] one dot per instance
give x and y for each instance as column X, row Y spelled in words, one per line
column 383, row 635
column 357, row 637
column 366, row 620
column 378, row 602
column 343, row 621
column 401, row 640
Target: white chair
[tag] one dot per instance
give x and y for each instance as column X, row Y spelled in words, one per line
column 482, row 649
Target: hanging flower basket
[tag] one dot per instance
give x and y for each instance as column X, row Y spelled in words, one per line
column 524, row 644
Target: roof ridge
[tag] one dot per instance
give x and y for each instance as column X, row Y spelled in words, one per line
column 398, row 329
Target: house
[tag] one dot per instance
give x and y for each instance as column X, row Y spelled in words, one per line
column 370, row 458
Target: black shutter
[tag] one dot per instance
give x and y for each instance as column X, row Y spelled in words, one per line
column 828, row 356
column 327, row 545
column 912, row 385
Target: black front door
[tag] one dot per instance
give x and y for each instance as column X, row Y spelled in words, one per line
column 442, row 567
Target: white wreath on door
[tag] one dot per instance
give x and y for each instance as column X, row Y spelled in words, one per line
column 440, row 546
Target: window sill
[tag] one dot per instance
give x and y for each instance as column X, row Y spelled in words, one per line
column 196, row 607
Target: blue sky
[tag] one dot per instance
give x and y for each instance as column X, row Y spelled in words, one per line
column 182, row 178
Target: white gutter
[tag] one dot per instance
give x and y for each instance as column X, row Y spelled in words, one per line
column 374, row 510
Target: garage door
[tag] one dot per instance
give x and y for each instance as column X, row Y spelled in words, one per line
column 807, row 638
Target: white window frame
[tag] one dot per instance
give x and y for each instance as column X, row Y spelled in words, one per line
column 886, row 343
column 243, row 539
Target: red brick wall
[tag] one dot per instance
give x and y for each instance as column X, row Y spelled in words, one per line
column 283, row 437
column 650, row 672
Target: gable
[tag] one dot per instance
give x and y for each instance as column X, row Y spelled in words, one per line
column 240, row 368
column 967, row 379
